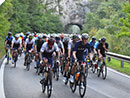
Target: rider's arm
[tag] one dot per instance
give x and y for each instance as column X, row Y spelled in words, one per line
column 63, row 50
column 69, row 49
column 57, row 50
column 106, row 47
column 74, row 55
column 12, row 44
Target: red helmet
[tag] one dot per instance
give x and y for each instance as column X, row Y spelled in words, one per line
column 51, row 41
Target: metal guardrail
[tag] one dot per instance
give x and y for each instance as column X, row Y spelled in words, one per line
column 122, row 58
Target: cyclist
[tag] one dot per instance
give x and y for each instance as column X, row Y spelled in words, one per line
column 96, row 46
column 47, row 50
column 29, row 46
column 92, row 43
column 16, row 45
column 60, row 45
column 71, row 45
column 80, row 53
column 102, row 49
column 65, row 43
column 26, row 36
column 8, row 41
column 37, row 47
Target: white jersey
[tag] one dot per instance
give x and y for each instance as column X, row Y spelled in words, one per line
column 32, row 42
column 18, row 41
column 60, row 45
column 45, row 48
column 71, row 44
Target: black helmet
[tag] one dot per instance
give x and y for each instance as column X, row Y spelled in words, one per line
column 51, row 41
column 57, row 38
column 75, row 36
column 10, row 33
column 93, row 38
column 103, row 39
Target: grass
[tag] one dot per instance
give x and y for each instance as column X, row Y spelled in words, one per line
column 2, row 50
column 116, row 64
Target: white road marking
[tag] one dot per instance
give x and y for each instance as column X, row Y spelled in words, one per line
column 2, row 93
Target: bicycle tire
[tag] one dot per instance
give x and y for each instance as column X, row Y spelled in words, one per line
column 49, row 85
column 73, row 86
column 84, row 83
column 104, row 75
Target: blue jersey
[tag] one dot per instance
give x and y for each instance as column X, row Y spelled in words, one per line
column 96, row 45
column 82, row 50
column 9, row 40
column 92, row 44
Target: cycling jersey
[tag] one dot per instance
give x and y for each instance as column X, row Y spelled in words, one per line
column 82, row 50
column 102, row 50
column 66, row 48
column 48, row 52
column 16, row 43
column 9, row 40
column 71, row 45
column 96, row 45
column 92, row 45
column 60, row 45
column 39, row 44
column 29, row 44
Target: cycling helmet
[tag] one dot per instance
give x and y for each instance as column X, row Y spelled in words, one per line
column 57, row 38
column 103, row 39
column 51, row 41
column 10, row 33
column 30, row 36
column 85, row 36
column 93, row 38
column 66, row 39
column 40, row 36
column 75, row 36
column 44, row 36
column 16, row 36
column 28, row 33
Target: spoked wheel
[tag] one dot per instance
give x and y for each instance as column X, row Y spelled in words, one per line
column 28, row 67
column 82, row 85
column 15, row 60
column 14, row 64
column 98, row 72
column 8, row 59
column 67, row 78
column 43, row 87
column 73, row 86
column 93, row 68
column 86, row 71
column 49, row 86
column 104, row 71
column 57, row 73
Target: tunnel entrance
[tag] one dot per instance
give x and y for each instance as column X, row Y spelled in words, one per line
column 73, row 28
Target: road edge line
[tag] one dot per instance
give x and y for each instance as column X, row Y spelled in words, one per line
column 2, row 93
column 119, row 73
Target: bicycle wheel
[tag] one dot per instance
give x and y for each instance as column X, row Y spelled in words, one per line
column 93, row 68
column 57, row 73
column 8, row 59
column 104, row 72
column 49, row 85
column 82, row 85
column 28, row 67
column 86, row 71
column 73, row 86
column 43, row 87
